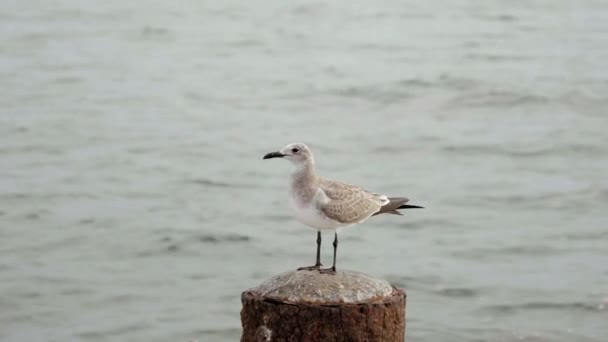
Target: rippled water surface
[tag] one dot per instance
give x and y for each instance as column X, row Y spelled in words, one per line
column 134, row 204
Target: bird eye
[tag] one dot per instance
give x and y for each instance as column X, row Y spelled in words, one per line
column 295, row 150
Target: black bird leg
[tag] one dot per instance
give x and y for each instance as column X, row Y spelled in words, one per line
column 318, row 262
column 332, row 269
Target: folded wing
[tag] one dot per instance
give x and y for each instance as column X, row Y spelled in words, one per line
column 349, row 204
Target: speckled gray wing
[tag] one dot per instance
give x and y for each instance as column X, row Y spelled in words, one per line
column 348, row 203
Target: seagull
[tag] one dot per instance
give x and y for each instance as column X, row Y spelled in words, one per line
column 325, row 204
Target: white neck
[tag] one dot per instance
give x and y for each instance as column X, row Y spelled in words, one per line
column 303, row 181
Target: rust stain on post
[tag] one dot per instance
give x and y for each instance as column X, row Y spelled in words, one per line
column 310, row 307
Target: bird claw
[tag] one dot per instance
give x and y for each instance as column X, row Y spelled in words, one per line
column 331, row 270
column 310, row 268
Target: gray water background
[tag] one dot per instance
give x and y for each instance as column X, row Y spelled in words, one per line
column 134, row 204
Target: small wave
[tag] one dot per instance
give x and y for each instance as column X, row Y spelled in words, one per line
column 448, row 81
column 392, row 149
column 15, row 196
column 169, row 249
column 565, row 200
column 496, row 57
column 385, row 92
column 229, row 238
column 68, row 80
column 603, row 194
column 32, row 216
column 173, row 248
column 245, row 43
column 210, row 183
column 382, row 93
column 483, row 149
column 60, row 243
column 205, row 334
column 422, row 282
column 119, row 331
column 531, row 306
column 524, row 152
column 49, row 280
column 416, row 83
column 76, row 292
column 201, row 276
column 520, row 251
column 496, row 99
column 377, row 47
column 87, row 221
column 217, row 184
column 168, row 245
column 458, row 292
column 427, row 223
column 36, row 215
column 55, row 195
column 583, row 236
column 470, row 149
column 30, row 295
column 307, row 9
column 373, row 93
column 276, row 218
column 499, row 17
column 525, row 199
column 140, row 150
column 153, row 32
column 123, row 298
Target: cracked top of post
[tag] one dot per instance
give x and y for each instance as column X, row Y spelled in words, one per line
column 314, row 287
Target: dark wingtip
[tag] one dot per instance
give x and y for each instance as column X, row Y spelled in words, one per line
column 409, row 206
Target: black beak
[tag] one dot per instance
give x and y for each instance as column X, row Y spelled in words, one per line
column 274, row 155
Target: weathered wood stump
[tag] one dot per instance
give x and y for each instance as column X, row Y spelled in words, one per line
column 307, row 306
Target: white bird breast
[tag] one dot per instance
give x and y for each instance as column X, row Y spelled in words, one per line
column 310, row 215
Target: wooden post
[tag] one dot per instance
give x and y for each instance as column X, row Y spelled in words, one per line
column 307, row 306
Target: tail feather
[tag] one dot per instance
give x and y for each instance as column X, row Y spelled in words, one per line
column 394, row 204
